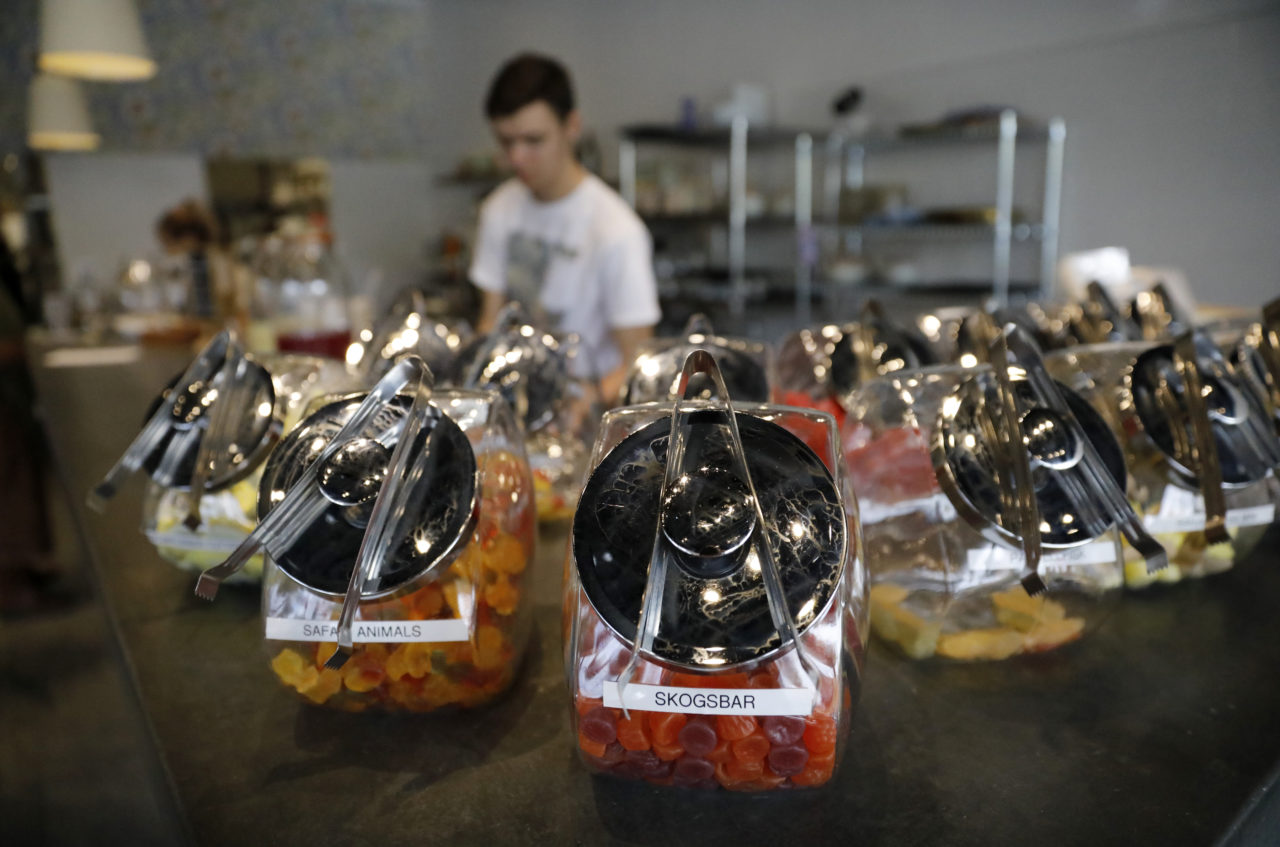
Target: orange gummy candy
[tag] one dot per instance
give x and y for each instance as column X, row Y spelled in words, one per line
column 667, row 752
column 722, row 753
column 489, row 648
column 754, row 746
column 591, row 748
column 633, row 734
column 501, row 596
column 820, row 733
column 734, row 727
column 665, row 726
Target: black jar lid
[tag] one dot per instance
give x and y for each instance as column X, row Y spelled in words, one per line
column 1246, row 444
column 715, row 612
column 656, row 372
column 526, row 365
column 255, row 425
column 966, row 459
column 440, row 505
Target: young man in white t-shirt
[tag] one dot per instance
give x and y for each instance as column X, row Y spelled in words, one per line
column 555, row 237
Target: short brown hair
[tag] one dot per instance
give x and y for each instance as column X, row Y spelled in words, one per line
column 527, row 79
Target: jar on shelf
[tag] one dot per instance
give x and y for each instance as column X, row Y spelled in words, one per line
column 1199, row 443
column 399, row 532
column 556, row 411
column 656, row 371
column 715, row 598
column 992, row 506
column 224, row 414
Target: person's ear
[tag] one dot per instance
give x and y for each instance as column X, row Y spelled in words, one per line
column 573, row 126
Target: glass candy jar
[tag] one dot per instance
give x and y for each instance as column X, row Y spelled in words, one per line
column 399, row 531
column 820, row 367
column 983, row 544
column 715, row 606
column 405, row 328
column 223, row 414
column 1200, row 446
column 744, row 365
column 556, row 410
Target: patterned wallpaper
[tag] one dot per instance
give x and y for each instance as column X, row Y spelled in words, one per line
column 252, row 78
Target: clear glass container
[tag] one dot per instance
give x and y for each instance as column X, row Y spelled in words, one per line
column 697, row 654
column 557, row 412
column 406, row 328
column 820, row 367
column 300, row 304
column 1139, row 388
column 225, row 412
column 399, row 531
column 963, row 525
column 228, row 513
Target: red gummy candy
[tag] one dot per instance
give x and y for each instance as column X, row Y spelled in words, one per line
column 698, row 736
column 599, row 725
column 786, row 761
column 782, row 729
column 691, row 770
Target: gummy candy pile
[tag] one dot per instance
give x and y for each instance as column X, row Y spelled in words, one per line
column 1025, row 625
column 736, row 752
column 422, row 676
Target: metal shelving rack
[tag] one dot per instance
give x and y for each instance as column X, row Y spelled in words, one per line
column 845, row 162
column 738, row 138
column 843, row 167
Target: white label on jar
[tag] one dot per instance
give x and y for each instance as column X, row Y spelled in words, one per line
column 1183, row 511
column 369, row 632
column 712, row 701
column 1002, row 558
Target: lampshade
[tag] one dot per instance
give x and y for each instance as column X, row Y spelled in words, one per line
column 93, row 39
column 58, row 118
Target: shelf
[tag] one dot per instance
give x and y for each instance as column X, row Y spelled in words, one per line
column 716, row 217
column 1022, row 232
column 771, row 136
column 987, row 134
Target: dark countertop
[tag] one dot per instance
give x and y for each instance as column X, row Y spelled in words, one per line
column 1157, row 729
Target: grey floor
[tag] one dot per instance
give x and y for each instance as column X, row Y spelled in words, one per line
column 76, row 763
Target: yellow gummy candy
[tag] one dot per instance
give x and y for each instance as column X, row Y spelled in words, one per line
column 999, row 643
column 1019, row 610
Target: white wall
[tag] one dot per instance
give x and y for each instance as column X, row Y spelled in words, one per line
column 1172, row 108
column 105, row 206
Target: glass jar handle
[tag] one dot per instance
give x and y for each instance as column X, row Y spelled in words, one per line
column 203, row 367
column 1111, row 496
column 701, row 361
column 1017, row 493
column 305, row 502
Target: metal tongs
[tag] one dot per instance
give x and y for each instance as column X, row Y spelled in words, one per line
column 1110, row 504
column 1016, row 490
column 1268, row 348
column 1196, row 357
column 206, row 364
column 231, row 386
column 305, row 501
column 702, row 362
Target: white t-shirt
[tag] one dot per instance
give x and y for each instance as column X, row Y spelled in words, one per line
column 583, row 263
